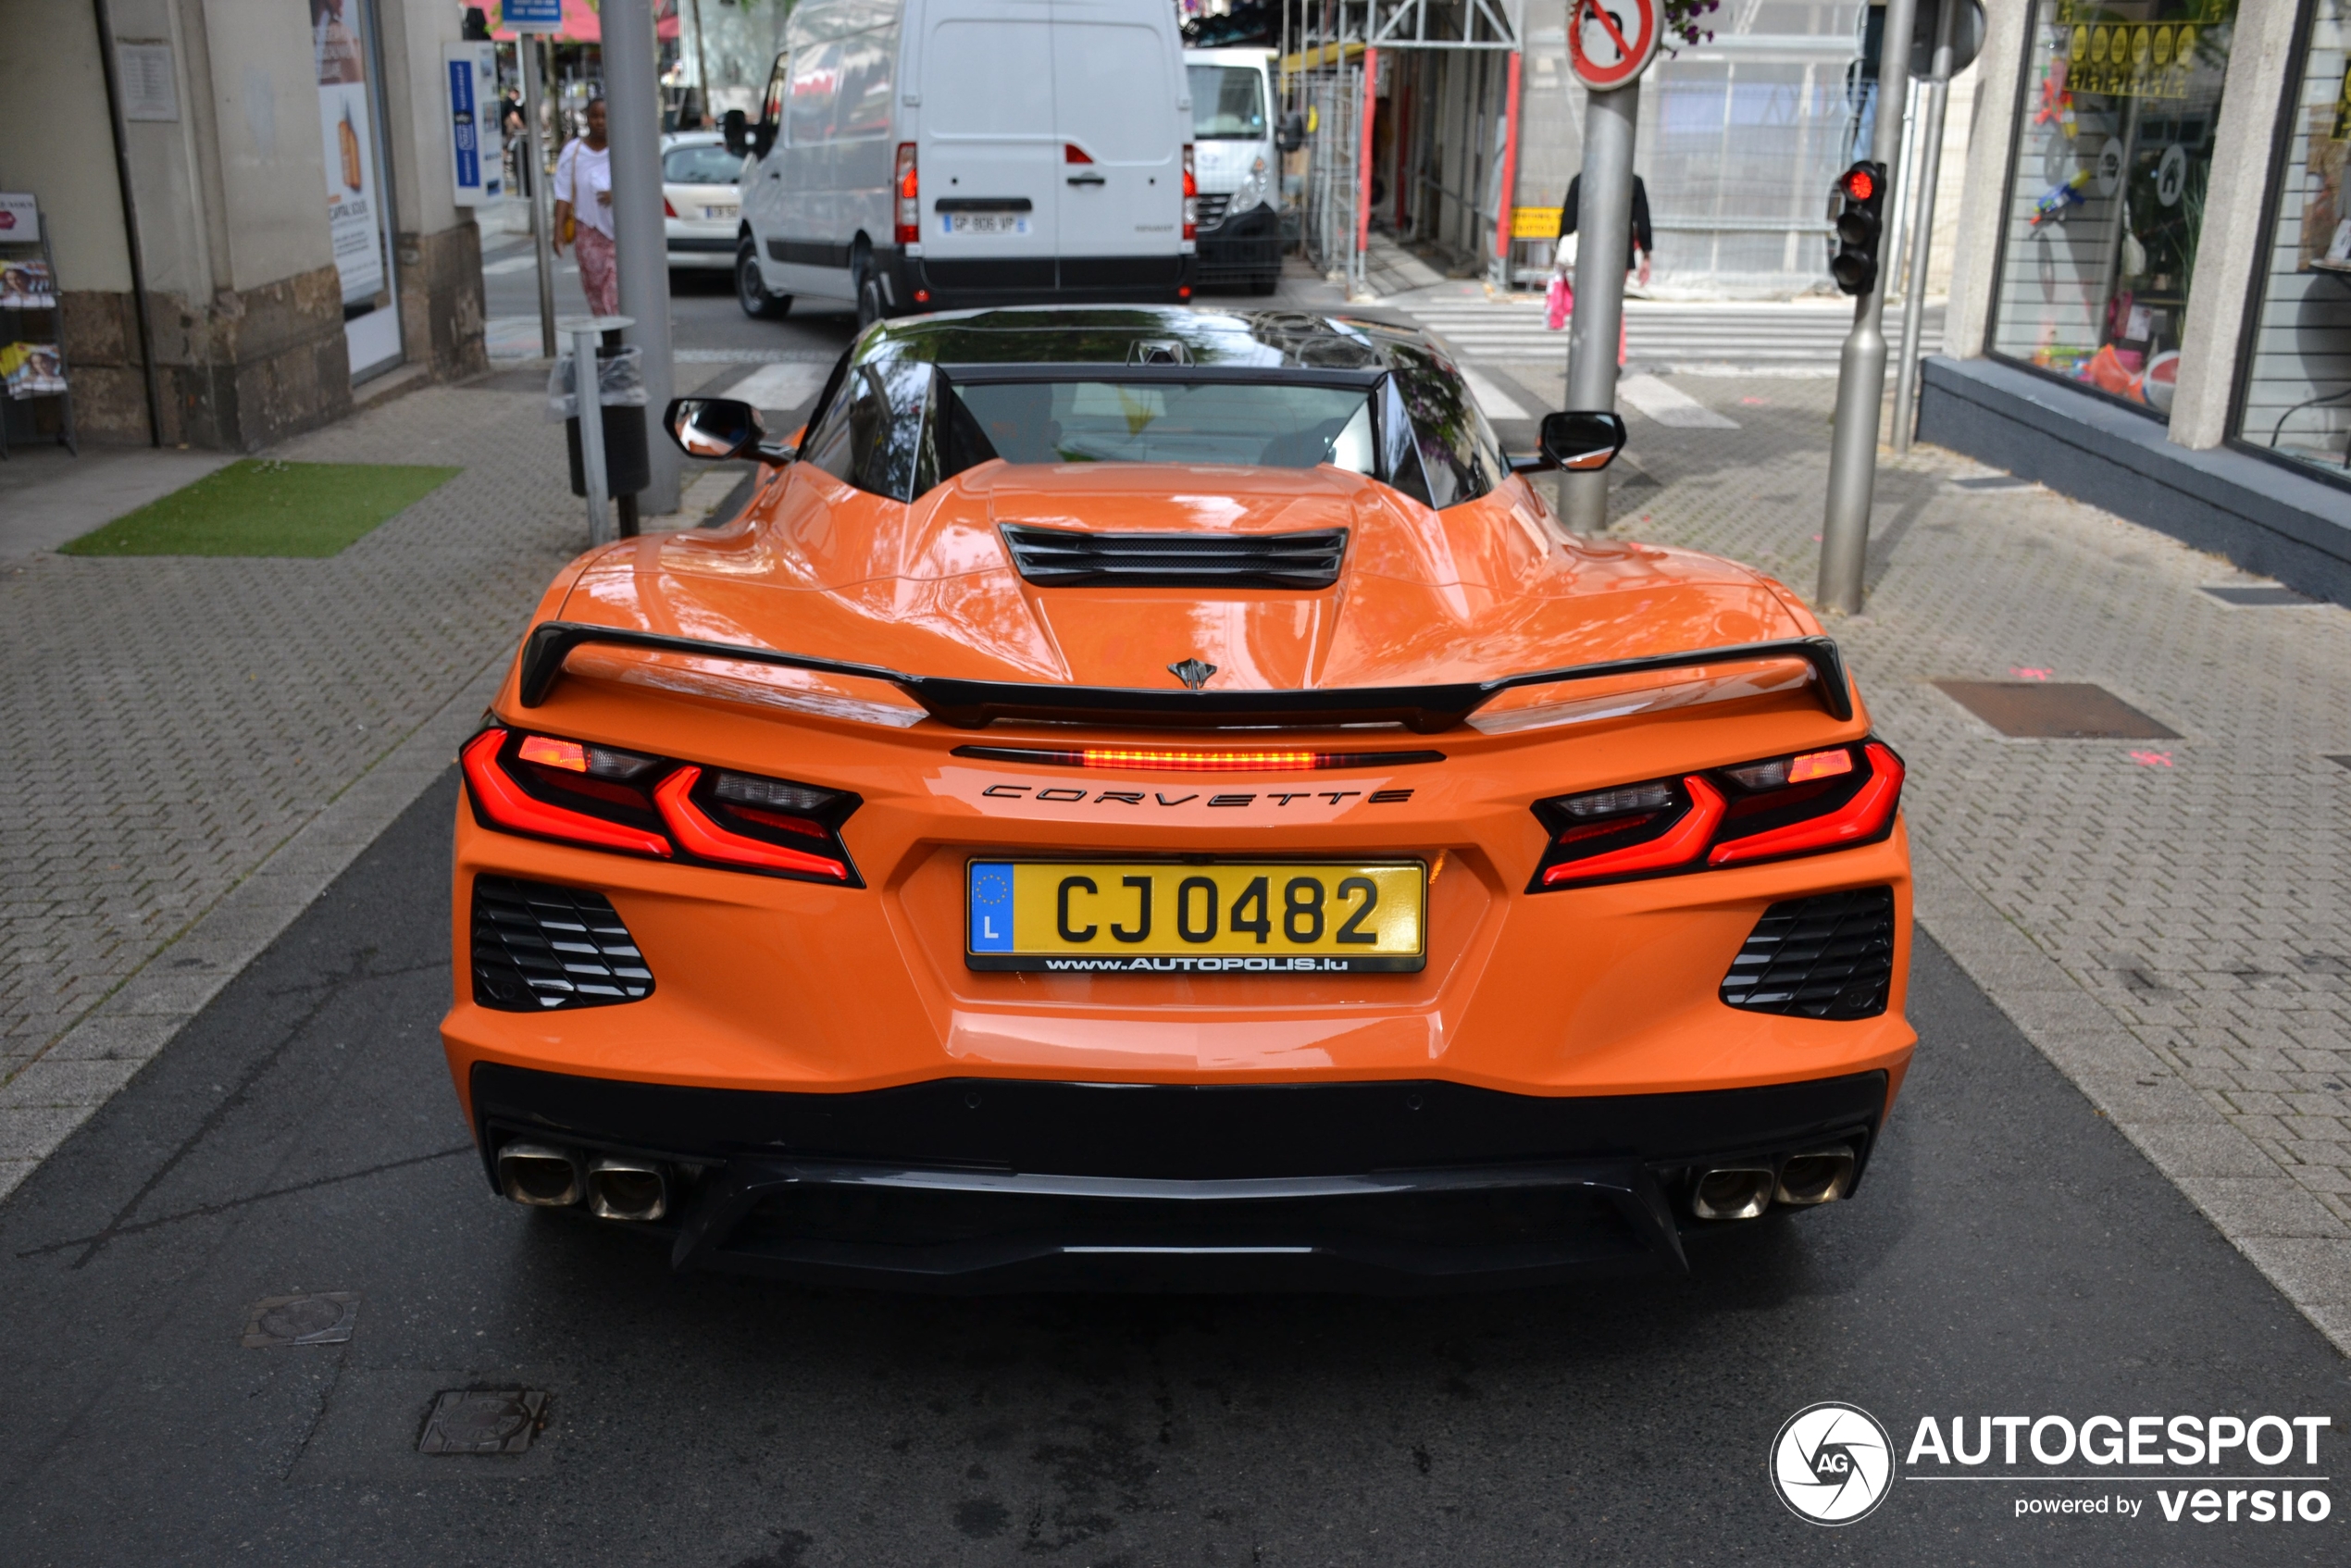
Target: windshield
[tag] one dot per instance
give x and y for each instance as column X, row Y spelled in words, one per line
column 1260, row 424
column 710, row 164
column 1228, row 102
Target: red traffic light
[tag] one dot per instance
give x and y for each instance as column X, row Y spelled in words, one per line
column 1858, row 183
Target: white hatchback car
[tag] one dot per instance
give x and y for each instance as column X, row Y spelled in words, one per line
column 701, row 201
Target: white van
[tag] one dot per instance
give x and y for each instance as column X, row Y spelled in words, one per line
column 1240, row 146
column 931, row 155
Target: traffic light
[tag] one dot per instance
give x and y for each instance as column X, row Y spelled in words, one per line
column 1855, row 205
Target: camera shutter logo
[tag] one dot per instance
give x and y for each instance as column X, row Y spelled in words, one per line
column 1832, row 1463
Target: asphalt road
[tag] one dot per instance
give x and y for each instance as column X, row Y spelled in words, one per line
column 2009, row 1253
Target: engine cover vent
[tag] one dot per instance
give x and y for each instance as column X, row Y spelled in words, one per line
column 1071, row 558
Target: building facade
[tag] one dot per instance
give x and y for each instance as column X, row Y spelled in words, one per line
column 250, row 204
column 2152, row 302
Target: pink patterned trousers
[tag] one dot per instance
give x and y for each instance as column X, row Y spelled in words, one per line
column 598, row 278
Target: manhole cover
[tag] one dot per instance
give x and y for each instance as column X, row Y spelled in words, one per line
column 483, row 1421
column 2055, row 710
column 2256, row 595
column 325, row 1318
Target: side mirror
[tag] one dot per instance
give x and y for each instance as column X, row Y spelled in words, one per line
column 715, row 428
column 737, row 131
column 1580, row 442
column 1291, row 134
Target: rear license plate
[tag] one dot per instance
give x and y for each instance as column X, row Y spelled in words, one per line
column 983, row 223
column 726, row 213
column 1235, row 917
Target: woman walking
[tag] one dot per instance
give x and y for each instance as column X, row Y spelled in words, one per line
column 583, row 211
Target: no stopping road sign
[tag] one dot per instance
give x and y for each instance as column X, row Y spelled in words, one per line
column 1610, row 42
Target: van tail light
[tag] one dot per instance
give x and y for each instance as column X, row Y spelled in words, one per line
column 576, row 793
column 1809, row 804
column 667, row 210
column 1191, row 196
column 730, row 819
column 551, row 799
column 906, row 182
column 1073, row 152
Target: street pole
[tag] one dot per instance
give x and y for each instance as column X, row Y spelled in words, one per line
column 1860, row 383
column 632, row 109
column 587, row 392
column 1604, row 221
column 542, row 241
column 1938, row 94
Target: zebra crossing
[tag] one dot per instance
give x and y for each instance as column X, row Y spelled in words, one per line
column 1786, row 336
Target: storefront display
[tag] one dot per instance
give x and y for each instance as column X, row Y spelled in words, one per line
column 2296, row 400
column 2107, row 193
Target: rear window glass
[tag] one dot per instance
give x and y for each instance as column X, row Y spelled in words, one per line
column 710, row 164
column 1264, row 426
column 1228, row 104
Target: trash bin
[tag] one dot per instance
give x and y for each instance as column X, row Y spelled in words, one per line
column 621, row 391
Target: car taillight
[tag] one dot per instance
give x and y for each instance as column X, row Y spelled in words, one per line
column 666, row 210
column 730, row 819
column 1770, row 810
column 907, row 182
column 1191, row 196
column 600, row 797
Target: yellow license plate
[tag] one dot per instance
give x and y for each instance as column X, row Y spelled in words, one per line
column 1233, row 918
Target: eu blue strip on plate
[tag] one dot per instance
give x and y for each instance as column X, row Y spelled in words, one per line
column 992, row 907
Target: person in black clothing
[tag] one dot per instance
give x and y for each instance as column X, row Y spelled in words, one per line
column 1644, row 240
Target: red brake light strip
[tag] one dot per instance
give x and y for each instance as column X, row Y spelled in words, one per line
column 506, row 803
column 701, row 834
column 1861, row 817
column 1679, row 845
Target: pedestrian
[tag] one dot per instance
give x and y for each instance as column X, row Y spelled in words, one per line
column 583, row 212
column 1642, row 245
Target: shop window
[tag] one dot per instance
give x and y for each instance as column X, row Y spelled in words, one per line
column 2298, row 384
column 2107, row 194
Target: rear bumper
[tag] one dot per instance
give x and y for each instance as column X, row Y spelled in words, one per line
column 990, row 1183
column 971, row 284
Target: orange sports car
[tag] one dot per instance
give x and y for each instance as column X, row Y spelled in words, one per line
column 1154, row 798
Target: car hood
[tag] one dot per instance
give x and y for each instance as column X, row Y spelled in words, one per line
column 1476, row 590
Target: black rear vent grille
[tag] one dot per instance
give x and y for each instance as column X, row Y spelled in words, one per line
column 1826, row 957
column 1064, row 557
column 537, row 946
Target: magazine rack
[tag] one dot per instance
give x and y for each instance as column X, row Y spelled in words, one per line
column 33, row 347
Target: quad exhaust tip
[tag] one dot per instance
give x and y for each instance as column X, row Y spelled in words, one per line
column 1819, row 1176
column 627, row 1190
column 1732, row 1192
column 539, row 1176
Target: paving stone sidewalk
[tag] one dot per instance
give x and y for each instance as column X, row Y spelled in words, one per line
column 2169, row 920
column 169, row 726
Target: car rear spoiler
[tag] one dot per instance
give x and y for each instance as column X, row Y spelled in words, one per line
column 974, row 704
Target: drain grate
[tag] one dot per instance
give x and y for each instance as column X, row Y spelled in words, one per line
column 483, row 1421
column 324, row 1317
column 2055, row 710
column 2257, row 595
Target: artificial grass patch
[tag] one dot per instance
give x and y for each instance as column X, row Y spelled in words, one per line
column 260, row 506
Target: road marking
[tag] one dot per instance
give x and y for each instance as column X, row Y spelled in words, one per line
column 1670, row 405
column 1498, row 404
column 780, row 386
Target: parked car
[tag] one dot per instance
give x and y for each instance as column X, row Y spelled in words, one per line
column 701, row 199
column 929, row 155
column 1153, row 796
column 1237, row 149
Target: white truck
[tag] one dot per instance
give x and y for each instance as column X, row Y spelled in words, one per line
column 933, row 154
column 1239, row 146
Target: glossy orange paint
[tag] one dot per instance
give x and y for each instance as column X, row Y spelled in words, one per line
column 770, row 984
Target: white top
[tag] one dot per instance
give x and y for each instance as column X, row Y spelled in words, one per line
column 582, row 170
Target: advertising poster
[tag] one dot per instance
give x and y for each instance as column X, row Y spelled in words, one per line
column 350, row 153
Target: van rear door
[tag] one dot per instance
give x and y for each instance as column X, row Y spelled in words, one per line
column 1116, row 80
column 991, row 167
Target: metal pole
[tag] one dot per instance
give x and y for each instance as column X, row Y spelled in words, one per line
column 587, row 399
column 1938, row 94
column 1604, row 223
column 632, row 107
column 1364, row 174
column 1861, row 384
column 543, row 239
